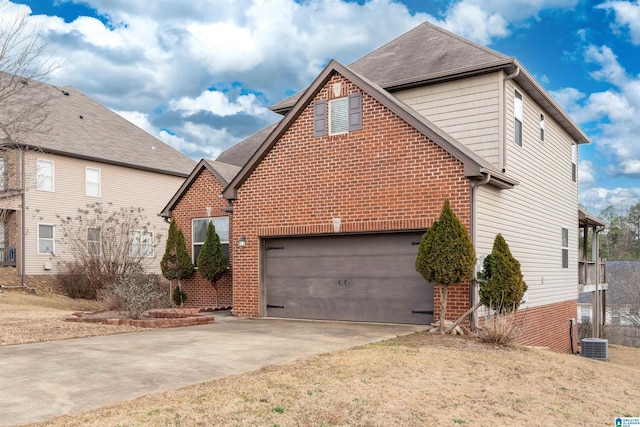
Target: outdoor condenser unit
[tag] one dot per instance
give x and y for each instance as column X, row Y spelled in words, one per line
column 595, row 348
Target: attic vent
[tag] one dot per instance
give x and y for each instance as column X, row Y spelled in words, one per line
column 65, row 93
column 595, row 348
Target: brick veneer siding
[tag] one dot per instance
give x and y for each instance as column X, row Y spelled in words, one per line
column 385, row 177
column 548, row 326
column 204, row 192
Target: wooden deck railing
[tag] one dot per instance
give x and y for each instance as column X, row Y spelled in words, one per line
column 587, row 272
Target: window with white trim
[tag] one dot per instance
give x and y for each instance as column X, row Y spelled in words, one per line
column 46, row 238
column 574, row 162
column 199, row 233
column 565, row 248
column 541, row 127
column 141, row 243
column 517, row 115
column 45, row 175
column 3, row 173
column 93, row 241
column 337, row 116
column 93, row 181
column 585, row 314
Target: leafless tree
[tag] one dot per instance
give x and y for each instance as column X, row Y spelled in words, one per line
column 623, row 295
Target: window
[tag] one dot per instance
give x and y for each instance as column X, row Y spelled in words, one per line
column 585, row 314
column 45, row 175
column 565, row 248
column 93, row 241
column 541, row 127
column 574, row 163
column 345, row 115
column 3, row 173
column 517, row 114
column 141, row 243
column 199, row 230
column 45, row 239
column 93, row 182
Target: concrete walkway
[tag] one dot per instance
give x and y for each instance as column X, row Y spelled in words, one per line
column 44, row 380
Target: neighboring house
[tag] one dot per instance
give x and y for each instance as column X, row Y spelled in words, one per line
column 86, row 154
column 622, row 296
column 331, row 202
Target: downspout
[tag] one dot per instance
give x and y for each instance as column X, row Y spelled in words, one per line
column 504, row 116
column 23, row 231
column 595, row 249
column 472, row 293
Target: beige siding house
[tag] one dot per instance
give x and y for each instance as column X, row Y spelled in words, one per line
column 82, row 154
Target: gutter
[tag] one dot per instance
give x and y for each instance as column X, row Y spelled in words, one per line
column 472, row 293
column 504, row 116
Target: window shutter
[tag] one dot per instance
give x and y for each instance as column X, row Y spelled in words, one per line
column 355, row 112
column 320, row 118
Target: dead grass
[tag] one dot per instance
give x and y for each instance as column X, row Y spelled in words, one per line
column 416, row 380
column 27, row 318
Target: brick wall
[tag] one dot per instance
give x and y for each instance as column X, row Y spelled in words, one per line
column 387, row 176
column 204, row 192
column 548, row 326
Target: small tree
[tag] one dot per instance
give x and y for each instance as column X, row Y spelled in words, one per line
column 212, row 262
column 176, row 263
column 446, row 255
column 501, row 284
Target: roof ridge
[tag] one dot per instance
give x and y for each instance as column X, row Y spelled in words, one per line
column 464, row 40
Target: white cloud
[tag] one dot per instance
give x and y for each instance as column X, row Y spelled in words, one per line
column 627, row 14
column 586, row 172
column 218, row 103
column 470, row 20
column 597, row 198
column 516, row 10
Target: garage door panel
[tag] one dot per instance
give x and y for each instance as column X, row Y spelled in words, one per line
column 359, row 278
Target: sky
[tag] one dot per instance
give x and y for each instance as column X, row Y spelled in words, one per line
column 200, row 75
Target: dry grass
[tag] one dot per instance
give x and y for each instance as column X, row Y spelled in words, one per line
column 27, row 318
column 416, row 380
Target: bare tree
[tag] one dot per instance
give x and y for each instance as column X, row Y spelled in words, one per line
column 25, row 61
column 623, row 295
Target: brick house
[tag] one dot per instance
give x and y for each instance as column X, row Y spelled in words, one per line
column 329, row 203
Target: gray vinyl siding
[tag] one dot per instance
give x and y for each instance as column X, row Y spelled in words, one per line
column 467, row 109
column 121, row 186
column 531, row 215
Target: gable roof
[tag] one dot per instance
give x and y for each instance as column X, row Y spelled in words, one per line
column 223, row 172
column 79, row 127
column 429, row 54
column 474, row 165
column 240, row 153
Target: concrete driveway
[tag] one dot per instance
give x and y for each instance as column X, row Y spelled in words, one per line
column 45, row 380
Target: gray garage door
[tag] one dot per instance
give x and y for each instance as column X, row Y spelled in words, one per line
column 368, row 278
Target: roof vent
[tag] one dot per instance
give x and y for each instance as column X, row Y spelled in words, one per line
column 595, row 348
column 65, row 93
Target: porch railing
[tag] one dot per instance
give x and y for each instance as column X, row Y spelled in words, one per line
column 587, row 272
column 8, row 257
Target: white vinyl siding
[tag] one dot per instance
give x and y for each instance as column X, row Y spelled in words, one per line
column 93, row 182
column 531, row 215
column 467, row 109
column 46, row 238
column 44, row 175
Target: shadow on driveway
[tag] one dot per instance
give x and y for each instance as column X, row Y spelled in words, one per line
column 45, row 380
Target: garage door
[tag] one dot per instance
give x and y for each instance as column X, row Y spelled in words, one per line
column 368, row 278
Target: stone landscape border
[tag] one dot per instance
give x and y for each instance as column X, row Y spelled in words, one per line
column 158, row 318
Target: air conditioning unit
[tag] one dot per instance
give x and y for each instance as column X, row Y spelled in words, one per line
column 595, row 348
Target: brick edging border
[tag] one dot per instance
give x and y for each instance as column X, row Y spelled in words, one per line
column 162, row 318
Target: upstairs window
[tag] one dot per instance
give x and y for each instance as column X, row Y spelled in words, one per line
column 93, row 187
column 45, row 175
column 574, row 163
column 541, row 127
column 199, row 230
column 517, row 114
column 3, row 174
column 340, row 115
column 565, row 248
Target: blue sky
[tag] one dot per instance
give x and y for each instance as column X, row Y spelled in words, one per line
column 200, row 75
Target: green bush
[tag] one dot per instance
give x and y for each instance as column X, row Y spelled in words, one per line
column 179, row 296
column 501, row 284
column 212, row 262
